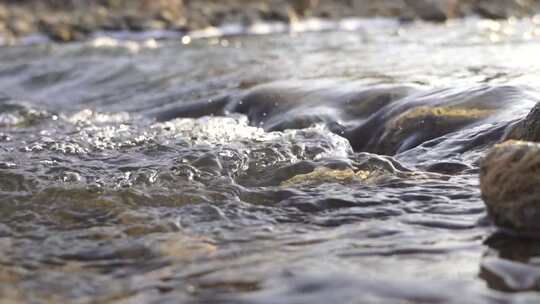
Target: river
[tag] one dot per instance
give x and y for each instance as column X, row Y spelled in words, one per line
column 339, row 166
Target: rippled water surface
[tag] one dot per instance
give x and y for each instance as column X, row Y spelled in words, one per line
column 328, row 167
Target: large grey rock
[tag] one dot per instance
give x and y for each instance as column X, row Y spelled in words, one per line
column 510, row 185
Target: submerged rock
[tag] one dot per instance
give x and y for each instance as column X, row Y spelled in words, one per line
column 509, row 181
column 423, row 123
column 326, row 175
column 366, row 169
column 382, row 119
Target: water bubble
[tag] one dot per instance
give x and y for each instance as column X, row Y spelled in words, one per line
column 186, row 40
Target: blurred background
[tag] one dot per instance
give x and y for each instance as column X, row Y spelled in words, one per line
column 68, row 20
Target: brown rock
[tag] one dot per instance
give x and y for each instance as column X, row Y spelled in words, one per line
column 61, row 33
column 425, row 123
column 20, row 27
column 510, row 185
column 531, row 125
column 323, row 175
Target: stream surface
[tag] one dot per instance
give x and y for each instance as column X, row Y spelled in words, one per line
column 327, row 167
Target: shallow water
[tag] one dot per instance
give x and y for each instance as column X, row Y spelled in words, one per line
column 337, row 166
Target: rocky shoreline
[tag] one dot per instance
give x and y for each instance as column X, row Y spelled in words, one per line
column 72, row 20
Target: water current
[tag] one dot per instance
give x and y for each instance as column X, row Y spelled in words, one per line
column 337, row 166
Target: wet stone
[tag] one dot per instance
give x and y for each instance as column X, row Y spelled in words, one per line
column 530, row 126
column 450, row 168
column 325, row 175
column 509, row 182
column 423, row 123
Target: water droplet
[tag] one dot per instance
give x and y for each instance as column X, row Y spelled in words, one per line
column 186, row 40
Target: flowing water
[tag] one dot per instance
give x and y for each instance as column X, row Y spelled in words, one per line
column 329, row 167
